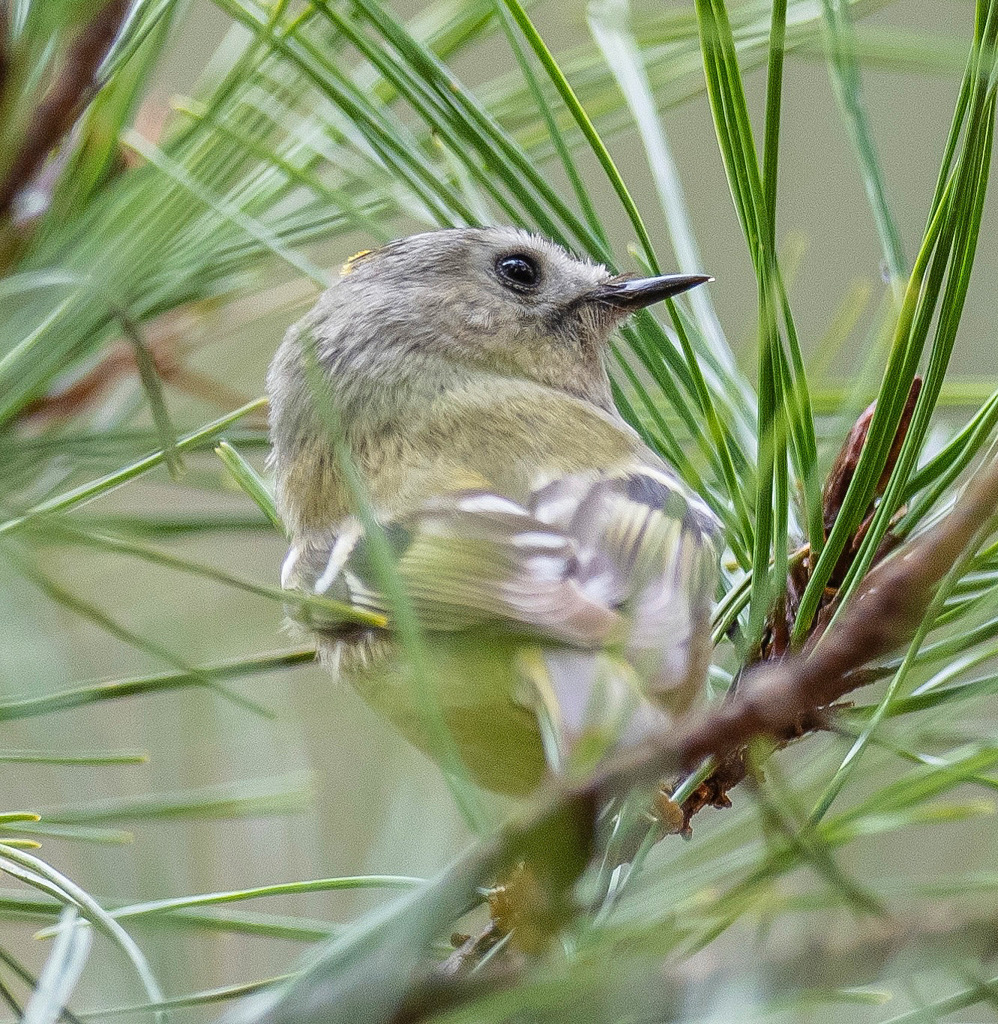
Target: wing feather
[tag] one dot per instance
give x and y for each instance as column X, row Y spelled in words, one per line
column 626, row 560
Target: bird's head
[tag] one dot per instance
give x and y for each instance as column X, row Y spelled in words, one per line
column 495, row 299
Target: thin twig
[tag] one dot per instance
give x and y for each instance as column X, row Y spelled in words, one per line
column 69, row 94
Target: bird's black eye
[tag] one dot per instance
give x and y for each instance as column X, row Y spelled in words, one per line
column 518, row 271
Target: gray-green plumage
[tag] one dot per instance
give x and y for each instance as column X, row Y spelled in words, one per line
column 558, row 569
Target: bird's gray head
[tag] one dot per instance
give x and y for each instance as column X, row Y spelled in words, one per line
column 421, row 311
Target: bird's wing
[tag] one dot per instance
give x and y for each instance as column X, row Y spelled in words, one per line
column 652, row 553
column 464, row 559
column 624, row 560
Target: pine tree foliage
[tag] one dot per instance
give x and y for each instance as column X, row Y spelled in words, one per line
column 133, row 237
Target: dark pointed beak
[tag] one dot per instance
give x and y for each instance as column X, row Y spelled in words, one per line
column 638, row 292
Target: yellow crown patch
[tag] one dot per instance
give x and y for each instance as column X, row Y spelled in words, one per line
column 348, row 266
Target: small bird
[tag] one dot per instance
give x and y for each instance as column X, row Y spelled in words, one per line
column 561, row 576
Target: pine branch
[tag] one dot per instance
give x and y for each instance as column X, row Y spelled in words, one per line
column 773, row 698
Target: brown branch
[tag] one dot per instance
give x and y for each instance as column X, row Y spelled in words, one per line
column 731, row 768
column 844, row 468
column 68, row 96
column 883, row 616
column 821, row 962
column 119, row 363
column 4, row 63
column 169, row 338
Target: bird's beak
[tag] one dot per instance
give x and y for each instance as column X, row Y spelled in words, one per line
column 638, row 292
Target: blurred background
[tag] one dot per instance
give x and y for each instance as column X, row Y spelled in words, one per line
column 293, row 777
